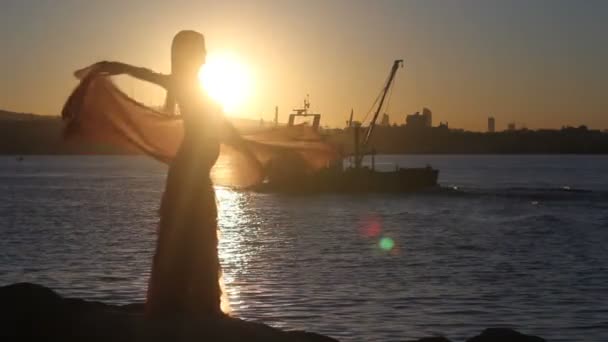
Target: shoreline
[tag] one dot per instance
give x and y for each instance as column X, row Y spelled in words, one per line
column 32, row 311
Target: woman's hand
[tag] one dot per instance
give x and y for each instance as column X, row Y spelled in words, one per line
column 108, row 68
column 105, row 67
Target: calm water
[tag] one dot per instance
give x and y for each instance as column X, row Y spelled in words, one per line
column 515, row 241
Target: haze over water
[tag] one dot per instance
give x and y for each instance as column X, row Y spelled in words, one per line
column 516, row 241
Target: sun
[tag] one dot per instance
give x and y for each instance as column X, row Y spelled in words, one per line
column 227, row 80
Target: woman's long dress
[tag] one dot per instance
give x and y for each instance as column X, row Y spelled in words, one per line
column 186, row 269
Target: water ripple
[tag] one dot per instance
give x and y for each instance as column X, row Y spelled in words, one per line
column 454, row 265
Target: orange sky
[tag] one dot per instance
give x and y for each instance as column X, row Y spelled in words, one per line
column 541, row 64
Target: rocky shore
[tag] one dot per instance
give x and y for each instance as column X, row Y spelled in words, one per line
column 36, row 313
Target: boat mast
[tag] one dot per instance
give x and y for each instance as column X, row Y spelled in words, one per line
column 396, row 64
column 358, row 155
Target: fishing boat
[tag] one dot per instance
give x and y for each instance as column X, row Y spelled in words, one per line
column 285, row 176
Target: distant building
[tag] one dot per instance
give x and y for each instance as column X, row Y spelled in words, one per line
column 385, row 120
column 428, row 117
column 418, row 120
column 414, row 120
column 511, row 126
column 491, row 125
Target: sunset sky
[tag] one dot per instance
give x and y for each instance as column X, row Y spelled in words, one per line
column 538, row 63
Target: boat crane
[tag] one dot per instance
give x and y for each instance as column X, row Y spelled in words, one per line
column 359, row 146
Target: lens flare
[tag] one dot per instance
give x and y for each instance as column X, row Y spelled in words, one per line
column 386, row 244
column 371, row 226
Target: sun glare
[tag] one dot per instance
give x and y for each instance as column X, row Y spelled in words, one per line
column 227, row 80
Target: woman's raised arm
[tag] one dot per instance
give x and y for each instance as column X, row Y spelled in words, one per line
column 117, row 68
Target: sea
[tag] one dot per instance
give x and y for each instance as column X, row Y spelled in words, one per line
column 518, row 241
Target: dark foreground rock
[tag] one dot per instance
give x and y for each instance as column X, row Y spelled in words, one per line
column 504, row 335
column 34, row 312
column 491, row 335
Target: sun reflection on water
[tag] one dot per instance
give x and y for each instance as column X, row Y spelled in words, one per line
column 231, row 218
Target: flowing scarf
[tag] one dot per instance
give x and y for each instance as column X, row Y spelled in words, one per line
column 98, row 111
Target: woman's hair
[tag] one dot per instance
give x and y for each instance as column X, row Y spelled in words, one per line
column 187, row 49
column 187, row 55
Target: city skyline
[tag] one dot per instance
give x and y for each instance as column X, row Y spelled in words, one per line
column 537, row 63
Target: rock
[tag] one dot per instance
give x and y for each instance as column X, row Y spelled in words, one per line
column 504, row 335
column 433, row 339
column 34, row 312
column 29, row 311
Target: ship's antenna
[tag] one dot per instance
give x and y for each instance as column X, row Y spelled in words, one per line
column 306, row 103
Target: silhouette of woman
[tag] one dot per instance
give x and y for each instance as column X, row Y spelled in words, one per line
column 186, row 270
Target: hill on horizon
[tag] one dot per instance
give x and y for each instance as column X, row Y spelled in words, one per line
column 6, row 115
